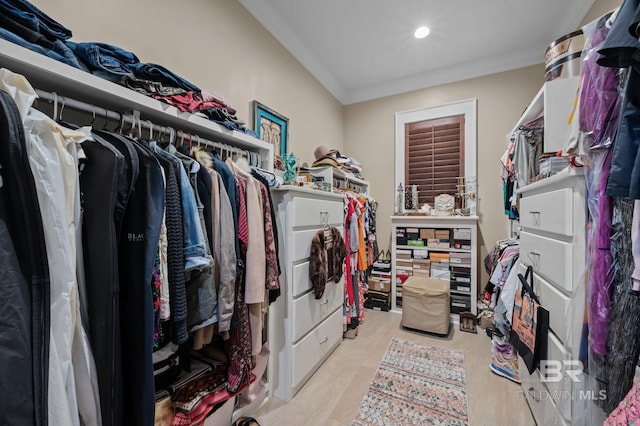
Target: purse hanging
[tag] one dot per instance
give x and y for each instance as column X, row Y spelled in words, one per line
column 530, row 324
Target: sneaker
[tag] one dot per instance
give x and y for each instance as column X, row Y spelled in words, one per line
column 504, row 361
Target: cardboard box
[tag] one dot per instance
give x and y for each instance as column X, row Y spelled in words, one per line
column 439, row 257
column 462, row 244
column 404, row 263
column 462, row 234
column 460, row 303
column 432, row 242
column 378, row 294
column 413, row 233
column 461, row 288
column 415, row 243
column 440, row 274
column 421, row 264
column 380, row 285
column 460, row 258
column 427, row 233
column 426, row 273
column 443, row 234
column 403, row 254
column 444, row 244
column 420, row 254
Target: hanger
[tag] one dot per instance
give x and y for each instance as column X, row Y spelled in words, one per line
column 120, row 127
column 150, row 129
column 328, row 235
column 61, row 110
column 55, row 105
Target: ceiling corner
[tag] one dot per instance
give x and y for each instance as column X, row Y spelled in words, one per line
column 282, row 32
column 572, row 17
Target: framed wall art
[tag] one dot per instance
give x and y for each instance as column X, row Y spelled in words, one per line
column 271, row 127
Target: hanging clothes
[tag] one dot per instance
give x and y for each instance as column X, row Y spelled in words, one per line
column 25, row 278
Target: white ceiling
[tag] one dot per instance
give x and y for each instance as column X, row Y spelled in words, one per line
column 365, row 49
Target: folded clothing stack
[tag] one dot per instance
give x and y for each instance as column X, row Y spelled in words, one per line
column 24, row 24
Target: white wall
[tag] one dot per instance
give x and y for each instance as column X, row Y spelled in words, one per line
column 219, row 46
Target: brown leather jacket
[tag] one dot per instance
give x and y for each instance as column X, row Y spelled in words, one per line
column 326, row 264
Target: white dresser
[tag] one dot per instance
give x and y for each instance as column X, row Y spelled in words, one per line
column 304, row 330
column 552, row 241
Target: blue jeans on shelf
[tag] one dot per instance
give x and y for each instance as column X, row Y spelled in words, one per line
column 31, row 17
column 104, row 60
column 60, row 53
column 159, row 73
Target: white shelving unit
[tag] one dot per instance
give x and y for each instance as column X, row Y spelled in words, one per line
column 448, row 223
column 340, row 180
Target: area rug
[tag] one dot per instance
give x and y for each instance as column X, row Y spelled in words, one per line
column 416, row 384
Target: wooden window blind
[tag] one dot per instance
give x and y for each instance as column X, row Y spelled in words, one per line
column 434, row 156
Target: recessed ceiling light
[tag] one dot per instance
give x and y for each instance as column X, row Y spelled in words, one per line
column 422, row 32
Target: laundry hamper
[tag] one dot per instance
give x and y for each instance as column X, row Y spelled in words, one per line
column 425, row 305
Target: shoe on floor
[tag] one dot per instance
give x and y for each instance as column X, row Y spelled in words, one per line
column 504, row 361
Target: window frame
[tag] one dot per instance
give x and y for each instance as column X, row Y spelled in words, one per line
column 468, row 108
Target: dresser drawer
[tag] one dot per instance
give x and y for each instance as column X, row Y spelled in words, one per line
column 307, row 354
column 559, row 390
column 554, row 301
column 540, row 401
column 300, row 282
column 309, row 311
column 310, row 212
column 553, row 259
column 301, row 247
column 551, row 211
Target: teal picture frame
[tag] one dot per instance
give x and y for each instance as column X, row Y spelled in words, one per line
column 271, row 127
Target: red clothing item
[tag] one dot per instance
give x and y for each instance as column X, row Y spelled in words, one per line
column 347, row 275
column 189, row 102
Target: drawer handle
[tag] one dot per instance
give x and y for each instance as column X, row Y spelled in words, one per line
column 324, row 218
column 326, row 339
column 534, row 256
column 536, row 218
column 324, row 302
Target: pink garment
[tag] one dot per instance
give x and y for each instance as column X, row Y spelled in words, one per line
column 189, row 102
column 628, row 411
column 348, row 260
column 214, row 97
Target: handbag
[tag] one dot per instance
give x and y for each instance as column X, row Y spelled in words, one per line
column 530, row 324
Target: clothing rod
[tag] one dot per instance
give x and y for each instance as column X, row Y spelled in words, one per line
column 130, row 119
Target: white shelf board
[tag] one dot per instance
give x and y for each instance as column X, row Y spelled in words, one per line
column 534, row 110
column 53, row 76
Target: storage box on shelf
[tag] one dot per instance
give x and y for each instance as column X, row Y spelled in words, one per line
column 436, row 247
column 340, row 181
column 306, row 330
column 379, row 294
column 552, row 241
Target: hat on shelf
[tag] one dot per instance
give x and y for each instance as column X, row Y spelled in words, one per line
column 322, row 152
column 326, row 161
column 325, row 157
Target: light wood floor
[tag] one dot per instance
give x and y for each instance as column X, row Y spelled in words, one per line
column 332, row 396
